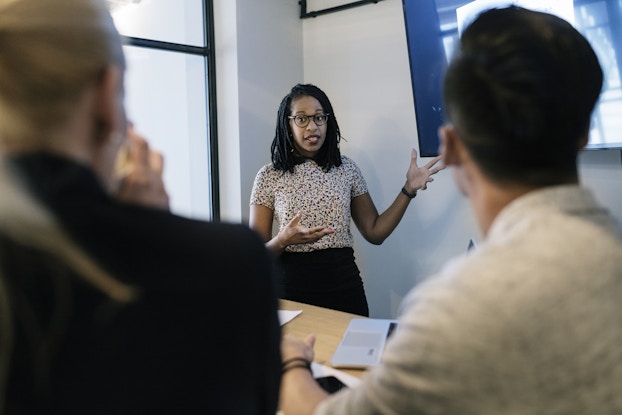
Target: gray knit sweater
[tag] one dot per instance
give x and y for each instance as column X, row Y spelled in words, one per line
column 529, row 323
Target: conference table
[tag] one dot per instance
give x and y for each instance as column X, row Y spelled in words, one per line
column 327, row 325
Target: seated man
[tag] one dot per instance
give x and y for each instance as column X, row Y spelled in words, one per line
column 529, row 322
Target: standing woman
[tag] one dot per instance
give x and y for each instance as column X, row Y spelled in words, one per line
column 313, row 192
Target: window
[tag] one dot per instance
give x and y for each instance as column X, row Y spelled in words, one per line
column 170, row 94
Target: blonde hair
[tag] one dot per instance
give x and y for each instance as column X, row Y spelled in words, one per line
column 49, row 51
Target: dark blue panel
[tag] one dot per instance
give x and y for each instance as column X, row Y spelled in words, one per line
column 427, row 67
column 431, row 33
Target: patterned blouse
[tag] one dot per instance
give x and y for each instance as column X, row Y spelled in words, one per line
column 323, row 198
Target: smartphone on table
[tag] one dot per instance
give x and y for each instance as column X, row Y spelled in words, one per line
column 330, row 383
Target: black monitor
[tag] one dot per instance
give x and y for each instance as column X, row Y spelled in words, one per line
column 432, row 30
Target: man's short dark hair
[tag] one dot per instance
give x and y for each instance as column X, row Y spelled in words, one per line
column 520, row 91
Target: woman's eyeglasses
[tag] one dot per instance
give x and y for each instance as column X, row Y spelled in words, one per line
column 303, row 120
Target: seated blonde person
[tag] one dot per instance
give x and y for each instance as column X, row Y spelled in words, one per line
column 114, row 303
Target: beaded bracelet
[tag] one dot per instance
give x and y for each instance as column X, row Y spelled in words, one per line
column 409, row 195
column 303, row 363
column 297, row 365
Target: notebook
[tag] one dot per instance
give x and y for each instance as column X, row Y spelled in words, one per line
column 363, row 342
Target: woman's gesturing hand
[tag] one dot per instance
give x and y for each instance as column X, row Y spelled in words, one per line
column 417, row 178
column 294, row 234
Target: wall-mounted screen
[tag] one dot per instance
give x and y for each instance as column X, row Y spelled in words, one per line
column 433, row 28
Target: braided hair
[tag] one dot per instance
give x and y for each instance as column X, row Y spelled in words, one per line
column 282, row 149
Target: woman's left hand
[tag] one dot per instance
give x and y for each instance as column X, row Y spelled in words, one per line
column 417, row 178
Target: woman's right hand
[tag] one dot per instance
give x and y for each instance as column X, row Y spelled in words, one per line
column 140, row 171
column 295, row 234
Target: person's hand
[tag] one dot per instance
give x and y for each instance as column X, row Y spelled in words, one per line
column 140, row 170
column 417, row 178
column 300, row 393
column 292, row 346
column 293, row 233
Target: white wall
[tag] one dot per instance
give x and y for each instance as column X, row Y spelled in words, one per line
column 259, row 57
column 359, row 58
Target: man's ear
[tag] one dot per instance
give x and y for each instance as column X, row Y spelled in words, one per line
column 109, row 110
column 451, row 147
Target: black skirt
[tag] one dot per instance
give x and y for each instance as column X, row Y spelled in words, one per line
column 326, row 278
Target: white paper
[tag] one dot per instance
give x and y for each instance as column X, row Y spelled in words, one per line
column 287, row 315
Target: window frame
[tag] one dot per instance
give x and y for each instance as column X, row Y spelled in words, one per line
column 208, row 53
